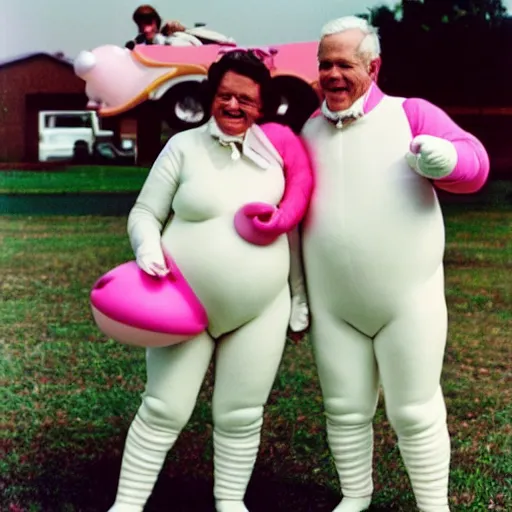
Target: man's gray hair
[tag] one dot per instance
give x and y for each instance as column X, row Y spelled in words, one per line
column 369, row 48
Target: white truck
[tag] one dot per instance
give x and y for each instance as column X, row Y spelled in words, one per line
column 63, row 133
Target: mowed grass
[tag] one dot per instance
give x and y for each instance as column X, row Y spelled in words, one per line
column 68, row 394
column 74, row 179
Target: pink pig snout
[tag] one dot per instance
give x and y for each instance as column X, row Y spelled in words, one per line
column 83, row 63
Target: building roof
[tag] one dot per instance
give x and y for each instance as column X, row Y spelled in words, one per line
column 57, row 57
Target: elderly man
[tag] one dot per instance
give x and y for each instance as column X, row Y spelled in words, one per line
column 373, row 254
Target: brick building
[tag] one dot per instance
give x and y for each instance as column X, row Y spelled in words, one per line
column 28, row 84
column 41, row 81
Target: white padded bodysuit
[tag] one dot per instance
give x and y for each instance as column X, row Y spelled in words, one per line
column 373, row 251
column 223, row 269
column 244, row 289
column 375, row 230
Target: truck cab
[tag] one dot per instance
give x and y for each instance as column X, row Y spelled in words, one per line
column 61, row 132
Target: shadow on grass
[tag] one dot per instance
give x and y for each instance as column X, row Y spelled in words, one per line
column 85, row 480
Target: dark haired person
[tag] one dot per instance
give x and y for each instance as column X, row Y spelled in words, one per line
column 205, row 176
column 150, row 29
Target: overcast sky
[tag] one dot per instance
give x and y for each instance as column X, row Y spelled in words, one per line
column 74, row 25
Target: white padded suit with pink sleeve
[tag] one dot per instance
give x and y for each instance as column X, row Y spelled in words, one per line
column 243, row 287
column 373, row 254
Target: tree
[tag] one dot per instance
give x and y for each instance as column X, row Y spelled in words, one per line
column 429, row 13
column 383, row 16
column 444, row 39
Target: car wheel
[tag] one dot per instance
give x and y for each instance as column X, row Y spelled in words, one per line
column 81, row 153
column 184, row 106
column 297, row 101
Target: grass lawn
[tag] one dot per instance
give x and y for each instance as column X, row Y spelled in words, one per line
column 74, row 179
column 69, row 394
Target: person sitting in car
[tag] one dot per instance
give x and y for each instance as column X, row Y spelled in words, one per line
column 151, row 31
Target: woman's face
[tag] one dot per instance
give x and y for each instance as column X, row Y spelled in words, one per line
column 237, row 103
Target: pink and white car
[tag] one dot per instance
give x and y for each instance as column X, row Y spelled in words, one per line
column 118, row 79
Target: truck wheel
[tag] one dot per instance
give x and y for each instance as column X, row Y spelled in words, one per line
column 184, row 106
column 81, row 153
column 298, row 101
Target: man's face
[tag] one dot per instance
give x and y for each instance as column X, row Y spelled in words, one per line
column 343, row 75
column 237, row 103
column 149, row 29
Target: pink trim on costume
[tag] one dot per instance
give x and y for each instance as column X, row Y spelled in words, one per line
column 260, row 224
column 472, row 169
column 374, row 97
column 298, row 174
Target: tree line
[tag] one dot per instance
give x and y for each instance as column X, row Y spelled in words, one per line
column 450, row 52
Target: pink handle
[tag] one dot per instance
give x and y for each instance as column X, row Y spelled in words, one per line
column 102, row 281
column 255, row 223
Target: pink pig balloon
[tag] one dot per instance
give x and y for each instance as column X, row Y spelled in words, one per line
column 135, row 308
column 116, row 80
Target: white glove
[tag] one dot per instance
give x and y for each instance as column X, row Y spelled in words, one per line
column 299, row 316
column 432, row 157
column 152, row 261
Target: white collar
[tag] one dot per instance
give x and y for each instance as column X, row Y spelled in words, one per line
column 253, row 145
column 226, row 140
column 355, row 111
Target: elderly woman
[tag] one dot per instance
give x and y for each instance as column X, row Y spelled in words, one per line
column 230, row 174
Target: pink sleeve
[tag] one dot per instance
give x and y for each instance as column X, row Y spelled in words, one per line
column 297, row 171
column 472, row 169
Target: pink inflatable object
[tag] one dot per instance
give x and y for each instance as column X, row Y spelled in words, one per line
column 118, row 79
column 135, row 308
